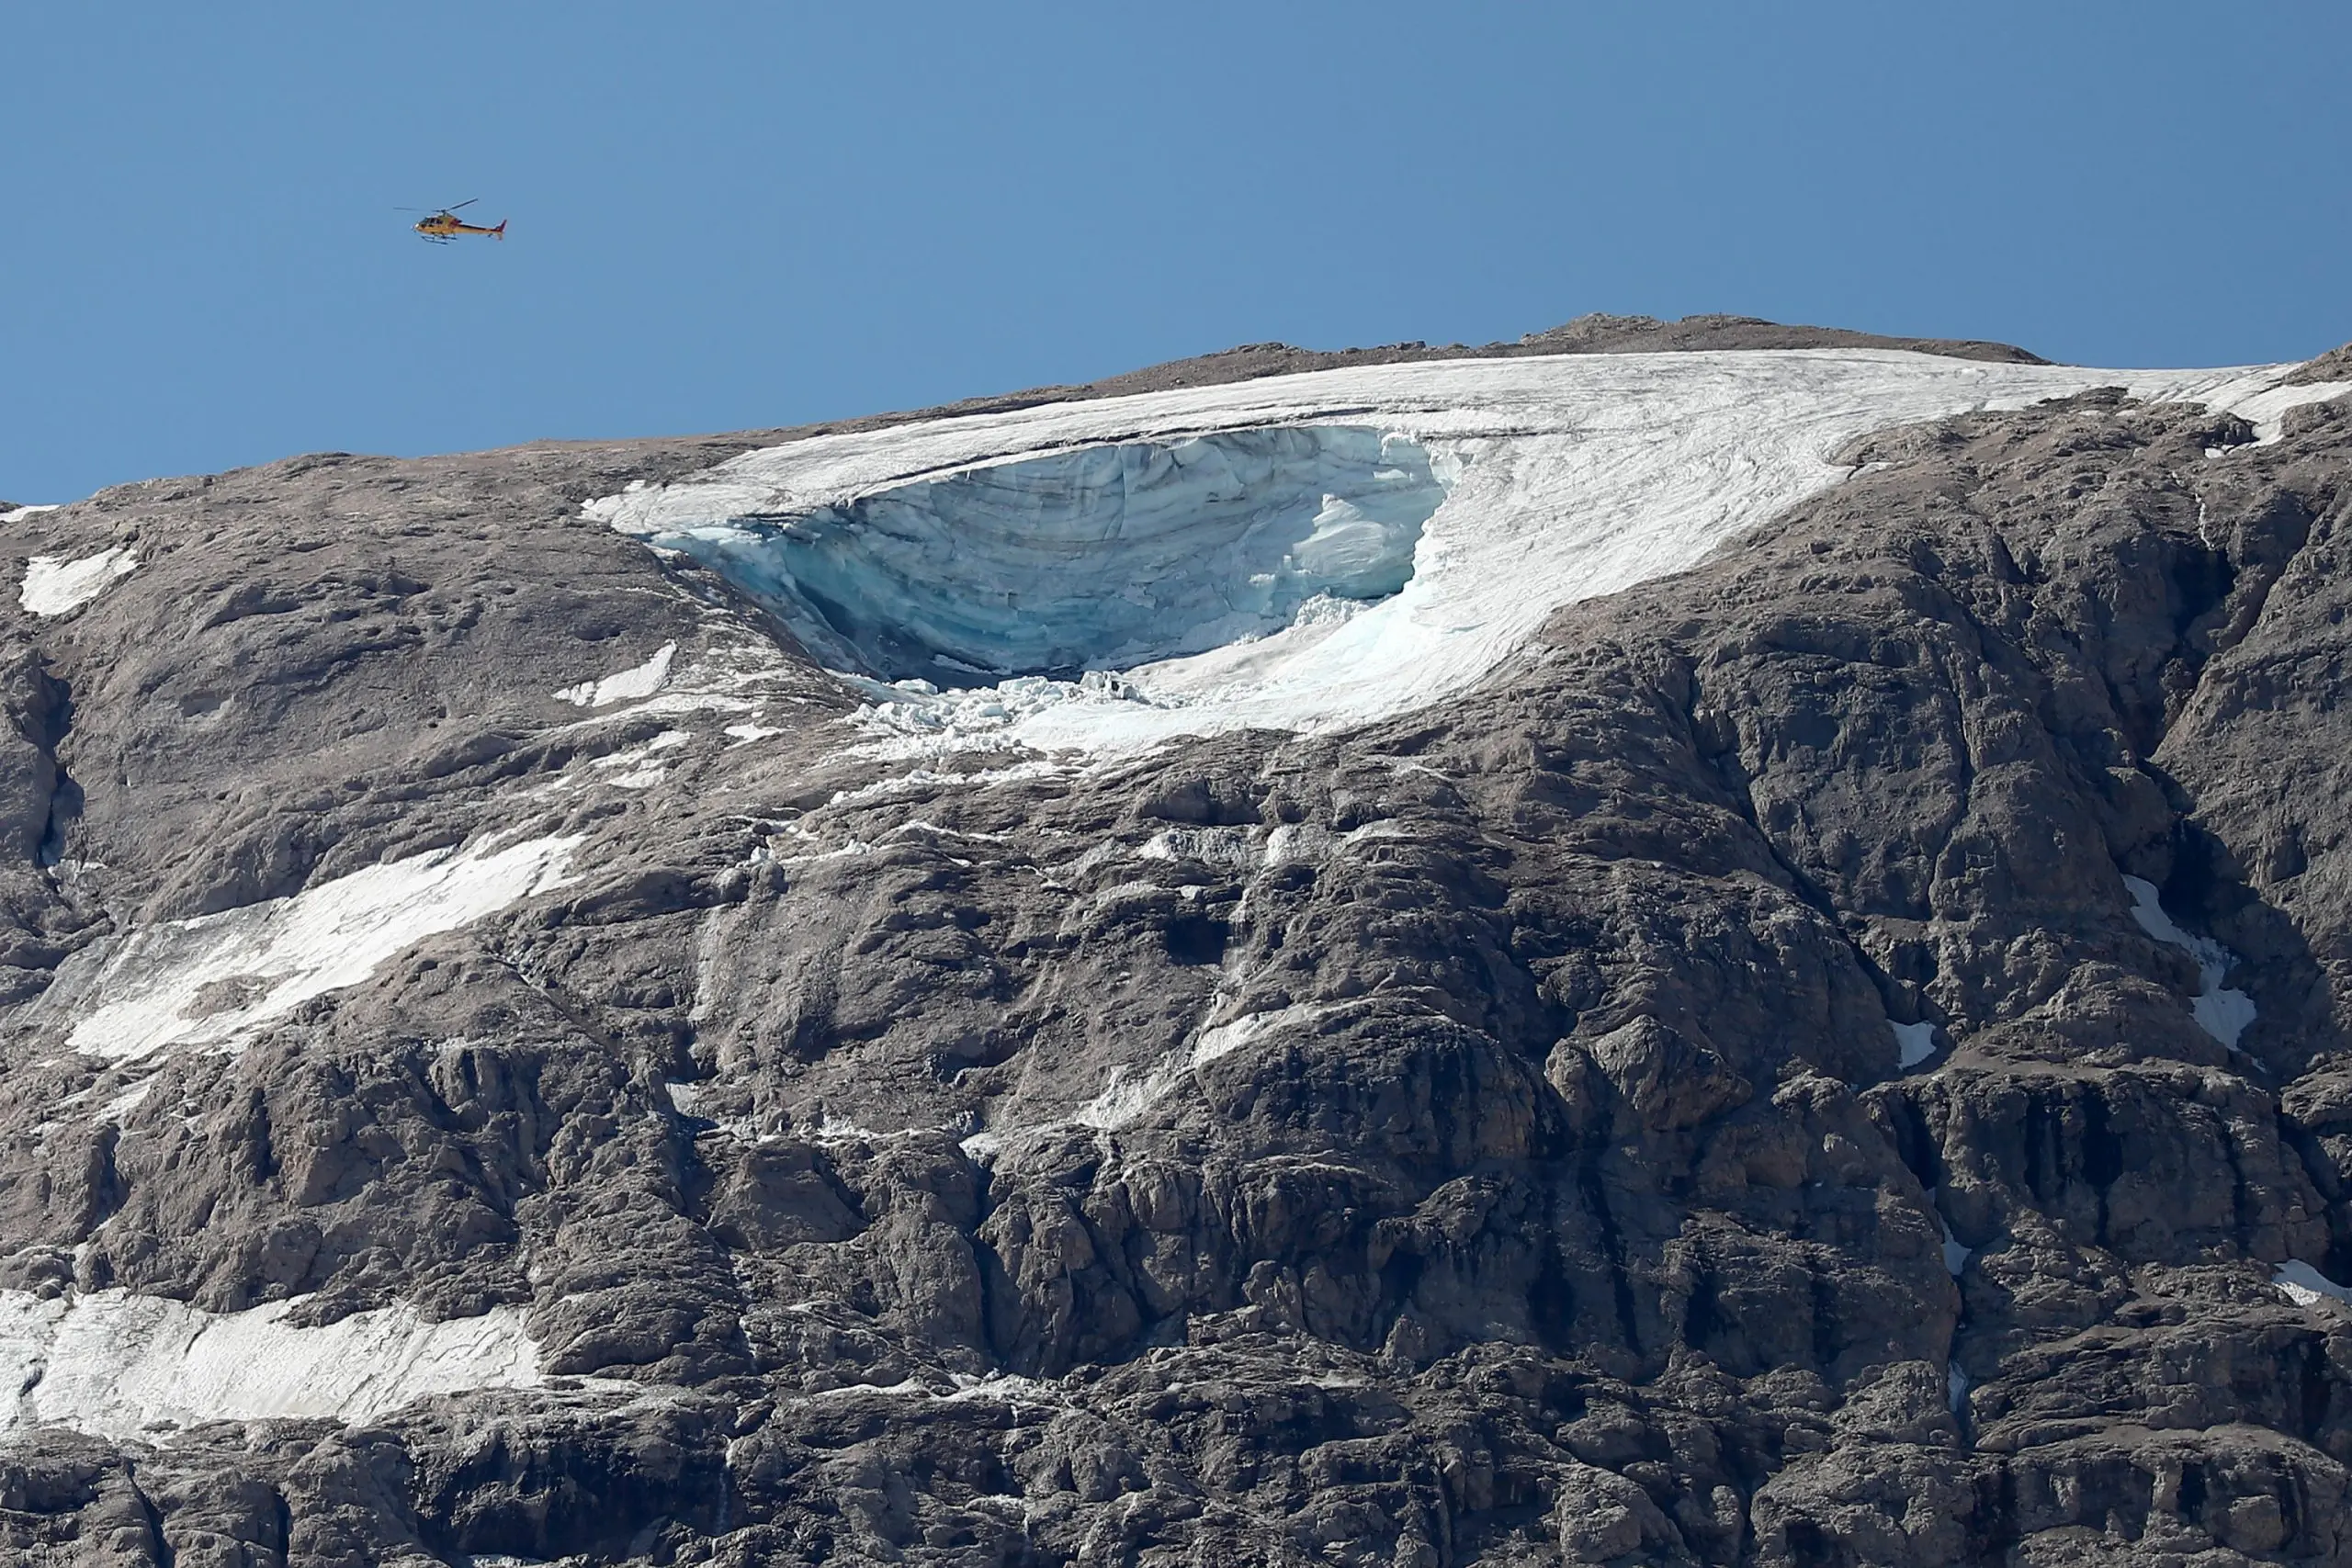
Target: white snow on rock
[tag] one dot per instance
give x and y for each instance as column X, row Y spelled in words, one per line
column 2306, row 1286
column 1124, row 1097
column 213, row 979
column 642, row 771
column 18, row 513
column 2266, row 410
column 642, row 681
column 1226, row 1038
column 1955, row 1255
column 118, row 1365
column 1000, row 550
column 1915, row 1042
column 113, row 1111
column 54, row 586
column 2222, row 1013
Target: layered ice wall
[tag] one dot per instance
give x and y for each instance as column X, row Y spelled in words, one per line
column 990, row 553
column 1103, row 558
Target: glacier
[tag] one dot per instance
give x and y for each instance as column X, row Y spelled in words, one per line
column 958, row 572
column 1102, row 558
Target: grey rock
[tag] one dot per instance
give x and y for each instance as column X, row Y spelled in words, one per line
column 1574, row 1207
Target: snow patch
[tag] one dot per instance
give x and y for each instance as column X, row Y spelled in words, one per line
column 1226, row 1038
column 54, row 585
column 1915, row 1042
column 1956, row 1386
column 642, row 778
column 643, row 773
column 1955, row 1255
column 962, row 547
column 1125, row 1098
column 213, row 979
column 118, row 1365
column 924, row 779
column 628, row 685
column 2306, row 1286
column 844, row 851
column 2266, row 410
column 840, row 1130
column 1009, row 1388
column 18, row 513
column 2222, row 1013
column 114, row 1111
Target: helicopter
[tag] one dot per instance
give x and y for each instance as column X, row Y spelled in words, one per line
column 443, row 224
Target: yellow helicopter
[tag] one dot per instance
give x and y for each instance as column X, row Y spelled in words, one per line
column 443, row 224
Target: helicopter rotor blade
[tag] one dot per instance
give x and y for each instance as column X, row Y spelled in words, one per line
column 456, row 205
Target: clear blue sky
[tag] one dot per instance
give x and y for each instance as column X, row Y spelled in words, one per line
column 756, row 214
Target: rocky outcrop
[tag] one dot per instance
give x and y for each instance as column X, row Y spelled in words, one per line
column 1708, row 1096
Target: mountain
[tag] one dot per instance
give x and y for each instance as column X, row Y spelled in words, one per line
column 1690, row 942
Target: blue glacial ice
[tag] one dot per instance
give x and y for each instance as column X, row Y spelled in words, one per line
column 1099, row 558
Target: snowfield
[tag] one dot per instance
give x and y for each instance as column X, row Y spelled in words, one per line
column 214, row 980
column 1222, row 557
column 123, row 1366
column 54, row 586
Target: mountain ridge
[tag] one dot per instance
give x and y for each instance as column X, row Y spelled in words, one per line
column 1596, row 332
column 1497, row 1131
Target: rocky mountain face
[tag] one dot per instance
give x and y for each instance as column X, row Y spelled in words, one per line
column 1834, row 1055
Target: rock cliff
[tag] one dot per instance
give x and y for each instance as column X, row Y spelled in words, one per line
column 1832, row 1053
